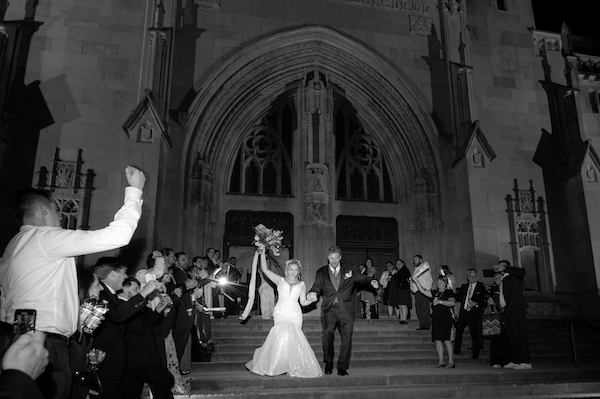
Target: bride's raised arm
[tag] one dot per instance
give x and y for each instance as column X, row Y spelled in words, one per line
column 263, row 266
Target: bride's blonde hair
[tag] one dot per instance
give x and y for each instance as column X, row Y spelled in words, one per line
column 293, row 262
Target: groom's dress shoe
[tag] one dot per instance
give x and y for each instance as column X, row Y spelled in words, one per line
column 342, row 372
column 328, row 368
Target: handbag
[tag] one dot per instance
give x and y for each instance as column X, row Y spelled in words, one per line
column 491, row 324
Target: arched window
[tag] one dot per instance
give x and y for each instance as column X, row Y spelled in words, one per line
column 361, row 167
column 263, row 163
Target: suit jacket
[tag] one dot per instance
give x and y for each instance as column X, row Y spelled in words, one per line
column 512, row 287
column 479, row 295
column 15, row 384
column 180, row 278
column 110, row 335
column 324, row 287
column 140, row 341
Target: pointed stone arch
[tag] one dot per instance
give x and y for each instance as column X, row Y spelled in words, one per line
column 242, row 89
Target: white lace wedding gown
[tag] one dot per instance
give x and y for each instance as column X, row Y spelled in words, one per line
column 286, row 349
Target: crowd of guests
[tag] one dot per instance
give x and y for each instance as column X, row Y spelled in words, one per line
column 102, row 332
column 453, row 307
column 98, row 331
column 448, row 309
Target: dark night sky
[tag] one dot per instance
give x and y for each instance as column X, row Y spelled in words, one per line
column 579, row 15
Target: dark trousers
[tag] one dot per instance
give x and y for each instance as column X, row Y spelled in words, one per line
column 500, row 351
column 471, row 318
column 55, row 381
column 422, row 303
column 158, row 377
column 515, row 329
column 331, row 320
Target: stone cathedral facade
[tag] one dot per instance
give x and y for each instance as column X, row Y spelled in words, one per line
column 446, row 128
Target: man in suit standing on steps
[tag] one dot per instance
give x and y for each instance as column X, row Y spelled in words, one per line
column 513, row 300
column 472, row 301
column 334, row 282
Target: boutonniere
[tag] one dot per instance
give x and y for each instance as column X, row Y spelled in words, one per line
column 348, row 275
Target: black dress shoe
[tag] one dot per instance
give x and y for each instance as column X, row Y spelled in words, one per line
column 328, row 368
column 475, row 356
column 342, row 372
column 456, row 352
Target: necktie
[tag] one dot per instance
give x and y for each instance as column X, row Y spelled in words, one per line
column 335, row 270
column 469, row 295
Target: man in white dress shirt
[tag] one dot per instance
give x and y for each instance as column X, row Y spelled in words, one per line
column 38, row 271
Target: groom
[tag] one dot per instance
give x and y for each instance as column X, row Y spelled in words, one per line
column 334, row 283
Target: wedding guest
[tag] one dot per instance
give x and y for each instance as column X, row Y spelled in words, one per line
column 402, row 278
column 442, row 321
column 81, row 343
column 183, row 318
column 368, row 294
column 38, row 271
column 421, row 282
column 500, row 350
column 109, row 337
column 164, row 336
column 143, row 361
column 389, row 296
column 212, row 264
column 472, row 298
column 513, row 300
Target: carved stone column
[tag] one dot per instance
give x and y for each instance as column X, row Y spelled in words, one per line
column 316, row 100
column 198, row 205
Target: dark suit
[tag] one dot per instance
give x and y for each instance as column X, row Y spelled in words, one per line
column 15, row 384
column 337, row 309
column 143, row 358
column 183, row 317
column 514, row 314
column 472, row 317
column 110, row 338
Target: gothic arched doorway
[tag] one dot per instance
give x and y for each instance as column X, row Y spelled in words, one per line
column 317, row 72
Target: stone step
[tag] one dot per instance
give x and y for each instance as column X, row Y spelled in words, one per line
column 408, row 382
column 425, row 361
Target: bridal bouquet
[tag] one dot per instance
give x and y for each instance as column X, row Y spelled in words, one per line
column 268, row 238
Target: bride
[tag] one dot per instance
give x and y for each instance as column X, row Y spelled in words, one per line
column 286, row 349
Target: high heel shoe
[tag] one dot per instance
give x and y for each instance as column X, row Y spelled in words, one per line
column 440, row 366
column 450, row 366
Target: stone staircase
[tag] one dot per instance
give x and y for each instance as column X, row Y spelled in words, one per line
column 390, row 360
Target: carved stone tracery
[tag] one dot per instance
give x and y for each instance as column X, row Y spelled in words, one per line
column 274, row 72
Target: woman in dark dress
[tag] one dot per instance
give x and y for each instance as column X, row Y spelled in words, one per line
column 442, row 320
column 401, row 296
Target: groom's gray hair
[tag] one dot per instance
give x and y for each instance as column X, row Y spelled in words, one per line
column 334, row 250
